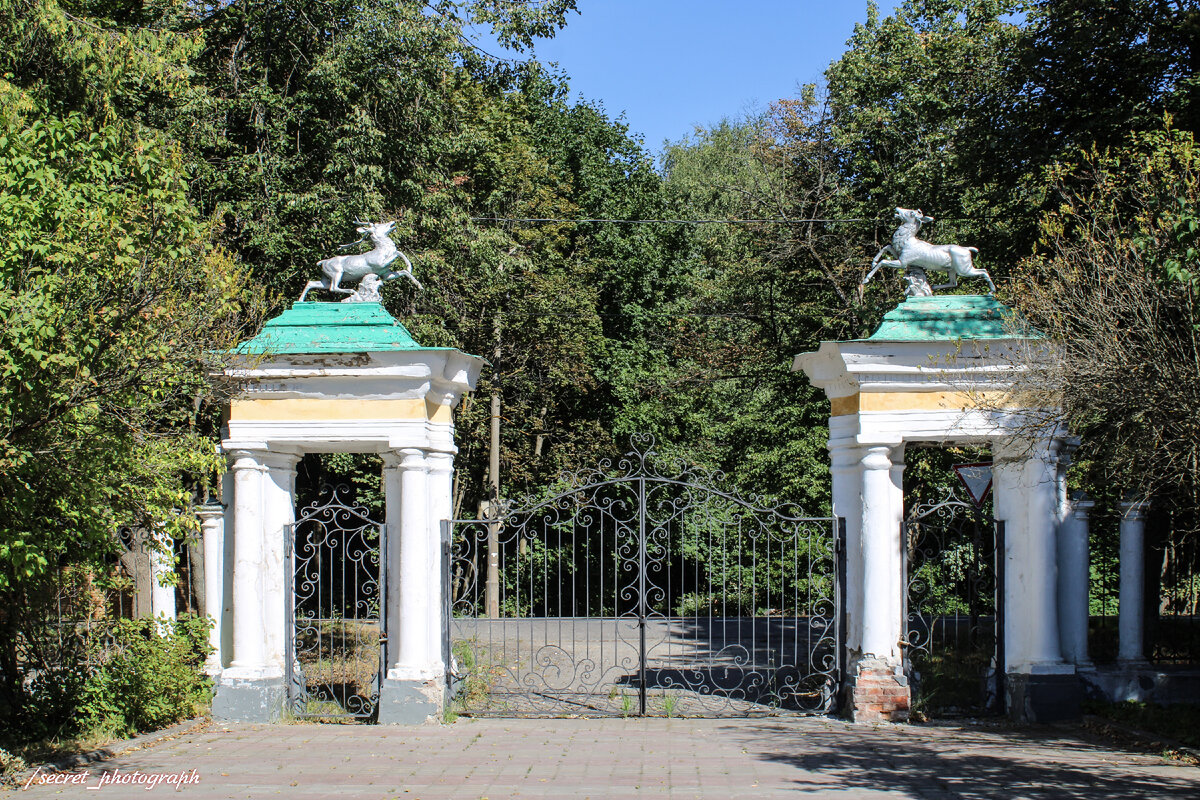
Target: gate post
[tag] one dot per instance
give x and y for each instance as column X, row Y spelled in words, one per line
column 251, row 687
column 877, row 685
column 336, row 378
column 867, row 495
column 1131, row 608
column 212, row 526
column 1041, row 687
column 939, row 371
column 413, row 689
column 1073, row 579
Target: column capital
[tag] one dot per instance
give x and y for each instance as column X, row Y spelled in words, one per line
column 1134, row 509
column 877, row 456
column 1022, row 449
column 245, row 460
column 1067, row 446
column 1081, row 506
column 440, row 462
column 406, row 458
column 280, row 460
column 844, row 456
column 208, row 512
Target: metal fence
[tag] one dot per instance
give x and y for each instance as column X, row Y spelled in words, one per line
column 62, row 626
column 643, row 588
column 1171, row 585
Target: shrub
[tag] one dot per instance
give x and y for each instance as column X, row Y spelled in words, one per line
column 125, row 676
column 147, row 680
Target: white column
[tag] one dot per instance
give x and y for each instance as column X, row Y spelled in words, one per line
column 212, row 532
column 414, row 579
column 249, row 618
column 900, row 586
column 1073, row 581
column 161, row 550
column 225, row 598
column 847, row 503
column 882, row 606
column 441, row 507
column 1025, row 486
column 278, row 514
column 1132, row 601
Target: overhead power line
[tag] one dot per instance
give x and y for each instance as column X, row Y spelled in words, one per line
column 777, row 220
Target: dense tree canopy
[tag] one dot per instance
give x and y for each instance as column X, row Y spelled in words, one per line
column 161, row 159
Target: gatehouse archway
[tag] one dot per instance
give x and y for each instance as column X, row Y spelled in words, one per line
column 333, row 378
column 938, row 371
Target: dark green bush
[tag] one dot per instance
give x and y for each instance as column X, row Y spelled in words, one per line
column 147, row 680
column 123, row 677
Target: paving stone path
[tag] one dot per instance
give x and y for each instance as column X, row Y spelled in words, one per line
column 612, row 759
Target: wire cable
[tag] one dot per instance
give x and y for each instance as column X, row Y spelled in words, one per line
column 779, row 220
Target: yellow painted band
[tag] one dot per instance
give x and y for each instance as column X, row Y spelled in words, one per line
column 303, row 409
column 906, row 401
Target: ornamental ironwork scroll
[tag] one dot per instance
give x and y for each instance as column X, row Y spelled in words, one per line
column 336, row 643
column 951, row 605
column 643, row 587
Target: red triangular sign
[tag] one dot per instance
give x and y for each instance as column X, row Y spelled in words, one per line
column 977, row 478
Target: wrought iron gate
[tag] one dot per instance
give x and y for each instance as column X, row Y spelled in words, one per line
column 336, row 647
column 953, row 606
column 643, row 588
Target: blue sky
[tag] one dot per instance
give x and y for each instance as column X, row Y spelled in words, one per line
column 670, row 65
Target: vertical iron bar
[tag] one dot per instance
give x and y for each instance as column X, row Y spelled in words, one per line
column 641, row 608
column 446, row 530
column 1001, row 700
column 905, row 632
column 840, row 613
column 289, row 645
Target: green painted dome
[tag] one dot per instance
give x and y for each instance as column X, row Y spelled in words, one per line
column 331, row 328
column 942, row 317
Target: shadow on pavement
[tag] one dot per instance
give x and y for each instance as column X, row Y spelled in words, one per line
column 964, row 763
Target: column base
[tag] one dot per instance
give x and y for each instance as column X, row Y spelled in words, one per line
column 876, row 690
column 411, row 702
column 259, row 700
column 1043, row 697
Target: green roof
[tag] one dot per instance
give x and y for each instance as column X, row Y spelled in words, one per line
column 942, row 317
column 331, row 328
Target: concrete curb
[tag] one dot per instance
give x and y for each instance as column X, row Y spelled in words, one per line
column 119, row 748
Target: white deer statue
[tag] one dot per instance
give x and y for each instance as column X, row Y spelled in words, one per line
column 911, row 254
column 376, row 261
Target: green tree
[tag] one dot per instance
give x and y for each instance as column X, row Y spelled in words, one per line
column 111, row 300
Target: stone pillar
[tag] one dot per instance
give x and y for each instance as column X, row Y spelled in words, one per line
column 161, row 551
column 441, row 507
column 1132, row 607
column 414, row 687
column 1073, row 581
column 847, row 504
column 878, row 689
column 226, row 596
column 249, row 647
column 900, row 586
column 279, row 514
column 252, row 687
column 1040, row 686
column 212, row 533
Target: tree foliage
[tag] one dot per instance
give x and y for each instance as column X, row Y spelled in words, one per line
column 1114, row 285
column 158, row 160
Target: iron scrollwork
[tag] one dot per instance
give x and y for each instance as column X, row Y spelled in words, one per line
column 335, row 650
column 950, row 605
column 643, row 586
